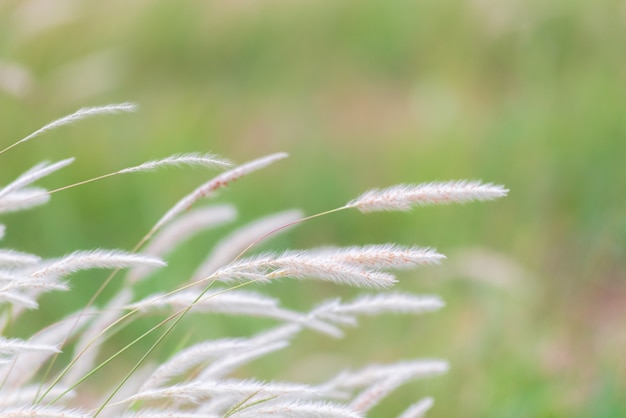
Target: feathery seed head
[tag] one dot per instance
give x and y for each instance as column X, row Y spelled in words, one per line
column 196, row 381
column 177, row 160
column 80, row 114
column 404, row 197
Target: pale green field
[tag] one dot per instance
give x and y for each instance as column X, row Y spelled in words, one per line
column 363, row 94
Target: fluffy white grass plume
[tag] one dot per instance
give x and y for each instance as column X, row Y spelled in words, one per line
column 404, row 197
column 191, row 357
column 373, row 394
column 197, row 391
column 299, row 409
column 300, row 265
column 418, row 409
column 235, row 302
column 353, row 266
column 191, row 159
column 26, row 364
column 177, row 160
column 23, row 199
column 375, row 373
column 18, row 300
column 370, row 397
column 225, row 353
column 232, row 350
column 80, row 114
column 43, row 412
column 38, row 284
column 14, row 345
column 12, row 258
column 384, row 256
column 199, row 378
column 227, row 365
column 257, row 346
column 31, row 176
column 398, row 303
column 85, row 260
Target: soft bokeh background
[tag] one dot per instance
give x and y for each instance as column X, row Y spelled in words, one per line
column 530, row 94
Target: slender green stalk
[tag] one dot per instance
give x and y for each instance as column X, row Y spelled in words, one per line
column 179, row 316
column 256, row 241
column 243, row 404
column 184, row 312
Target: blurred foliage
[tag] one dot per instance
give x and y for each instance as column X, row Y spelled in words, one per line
column 362, row 94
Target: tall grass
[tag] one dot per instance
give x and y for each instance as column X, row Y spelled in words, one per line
column 47, row 374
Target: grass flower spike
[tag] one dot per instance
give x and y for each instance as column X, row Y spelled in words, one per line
column 53, row 372
column 404, row 197
column 206, row 160
column 80, row 114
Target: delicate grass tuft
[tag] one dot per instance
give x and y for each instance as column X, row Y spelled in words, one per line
column 199, row 379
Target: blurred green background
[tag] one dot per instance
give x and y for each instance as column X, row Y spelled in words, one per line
column 530, row 94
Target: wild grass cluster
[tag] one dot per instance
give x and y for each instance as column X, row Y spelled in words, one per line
column 46, row 375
